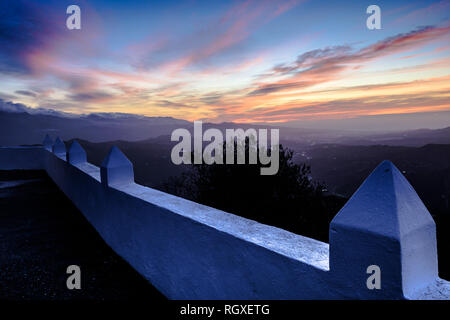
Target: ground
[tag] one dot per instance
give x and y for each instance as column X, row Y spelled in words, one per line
column 42, row 233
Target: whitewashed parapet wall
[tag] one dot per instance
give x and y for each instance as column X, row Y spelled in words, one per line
column 191, row 251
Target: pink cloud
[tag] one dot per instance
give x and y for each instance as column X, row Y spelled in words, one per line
column 323, row 65
column 234, row 26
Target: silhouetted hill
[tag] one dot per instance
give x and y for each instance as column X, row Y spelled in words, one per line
column 413, row 138
column 343, row 168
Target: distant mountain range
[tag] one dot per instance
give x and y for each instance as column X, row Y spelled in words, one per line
column 25, row 128
column 414, row 138
column 343, row 168
column 23, row 125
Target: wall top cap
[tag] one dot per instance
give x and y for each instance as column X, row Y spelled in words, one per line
column 75, row 147
column 76, row 153
column 385, row 204
column 59, row 146
column 115, row 158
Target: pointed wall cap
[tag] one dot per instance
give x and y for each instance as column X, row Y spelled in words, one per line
column 59, row 148
column 76, row 153
column 47, row 143
column 116, row 168
column 385, row 204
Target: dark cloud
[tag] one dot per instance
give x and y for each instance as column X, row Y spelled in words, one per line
column 26, row 93
column 332, row 56
column 89, row 96
column 214, row 98
column 274, row 87
column 176, row 105
column 311, row 57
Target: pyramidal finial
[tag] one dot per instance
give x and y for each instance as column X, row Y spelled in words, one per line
column 116, row 168
column 47, row 143
column 385, row 224
column 385, row 204
column 76, row 153
column 59, row 148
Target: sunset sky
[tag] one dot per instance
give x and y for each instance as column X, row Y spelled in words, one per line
column 243, row 61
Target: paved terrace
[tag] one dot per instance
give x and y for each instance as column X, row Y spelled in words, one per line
column 42, row 232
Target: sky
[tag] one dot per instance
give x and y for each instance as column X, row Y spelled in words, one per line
column 294, row 62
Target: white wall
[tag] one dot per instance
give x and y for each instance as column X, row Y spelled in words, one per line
column 190, row 251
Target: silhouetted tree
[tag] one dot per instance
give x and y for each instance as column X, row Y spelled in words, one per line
column 289, row 199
